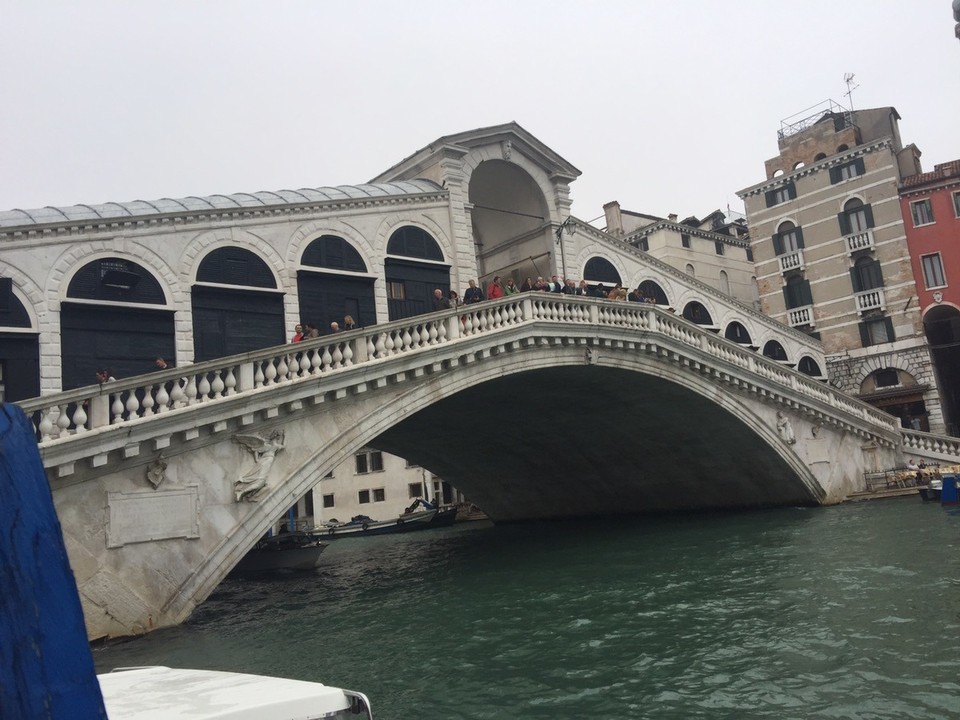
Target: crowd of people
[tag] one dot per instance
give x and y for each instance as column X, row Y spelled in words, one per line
column 306, row 331
column 499, row 288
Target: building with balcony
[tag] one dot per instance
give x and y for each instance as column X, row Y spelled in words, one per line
column 831, row 256
column 930, row 203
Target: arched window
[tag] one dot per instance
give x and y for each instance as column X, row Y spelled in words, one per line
column 797, row 165
column 778, row 173
column 738, row 333
column 116, row 280
column 774, row 350
column 334, row 253
column 414, row 242
column 235, row 266
column 788, row 238
column 600, row 270
column 842, row 148
column 652, row 290
column 696, row 312
column 819, row 157
column 808, row 366
column 690, row 271
column 724, row 282
column 19, row 348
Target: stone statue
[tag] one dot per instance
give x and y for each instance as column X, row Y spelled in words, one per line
column 506, row 148
column 156, row 472
column 785, row 429
column 264, row 450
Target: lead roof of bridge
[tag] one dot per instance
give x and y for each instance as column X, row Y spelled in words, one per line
column 165, row 206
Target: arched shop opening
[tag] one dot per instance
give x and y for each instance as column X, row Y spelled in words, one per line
column 113, row 318
column 414, row 268
column 19, row 348
column 809, row 366
column 333, row 282
column 898, row 393
column 738, row 333
column 942, row 327
column 698, row 313
column 774, row 350
column 600, row 271
column 236, row 305
column 652, row 290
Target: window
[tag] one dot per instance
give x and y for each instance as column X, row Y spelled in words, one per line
column 718, row 247
column 874, row 332
column 379, row 495
column 644, row 244
column 415, row 490
column 328, row 501
column 788, row 239
column 724, row 283
column 886, row 378
column 781, row 194
column 363, row 497
column 855, row 218
column 796, row 293
column 933, row 270
column 749, row 254
column 922, row 212
column 685, row 240
column 846, row 171
column 370, row 461
column 396, row 291
column 866, row 275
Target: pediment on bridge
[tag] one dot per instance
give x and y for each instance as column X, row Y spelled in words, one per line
column 499, row 141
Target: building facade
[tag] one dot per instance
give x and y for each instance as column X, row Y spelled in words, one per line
column 832, row 259
column 930, row 203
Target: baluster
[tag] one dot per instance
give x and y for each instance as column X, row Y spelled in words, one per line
column 177, row 395
column 203, row 389
column 380, row 346
column 337, row 356
column 304, row 364
column 269, row 372
column 483, row 321
column 348, row 354
column 163, row 399
column 406, row 341
column 468, row 324
column 217, row 385
column 63, row 420
column 132, row 405
column 192, row 390
column 80, row 419
column 116, row 409
column 428, row 334
column 373, row 349
column 147, row 400
column 282, row 369
column 46, row 425
column 326, row 359
column 441, row 331
column 388, row 343
column 258, row 378
column 316, row 362
column 230, row 382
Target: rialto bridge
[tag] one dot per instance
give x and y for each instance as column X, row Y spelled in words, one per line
column 536, row 406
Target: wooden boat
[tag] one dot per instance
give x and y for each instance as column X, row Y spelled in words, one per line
column 931, row 491
column 362, row 526
column 286, row 551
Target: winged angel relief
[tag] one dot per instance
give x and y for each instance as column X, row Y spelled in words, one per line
column 254, row 480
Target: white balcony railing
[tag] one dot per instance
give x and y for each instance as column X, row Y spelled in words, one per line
column 791, row 261
column 859, row 241
column 800, row 316
column 870, row 300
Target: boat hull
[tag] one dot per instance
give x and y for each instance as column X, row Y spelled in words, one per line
column 291, row 552
column 411, row 522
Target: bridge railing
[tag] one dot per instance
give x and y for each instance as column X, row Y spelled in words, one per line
column 926, row 443
column 132, row 400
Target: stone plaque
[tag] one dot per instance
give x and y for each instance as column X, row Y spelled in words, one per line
column 154, row 515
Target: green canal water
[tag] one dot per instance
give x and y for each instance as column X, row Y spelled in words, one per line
column 842, row 612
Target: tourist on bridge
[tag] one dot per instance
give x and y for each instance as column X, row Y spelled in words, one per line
column 472, row 294
column 527, row 285
column 297, row 333
column 569, row 287
column 334, row 327
column 311, row 331
column 161, row 364
column 495, row 289
column 439, row 301
column 583, row 289
column 348, row 323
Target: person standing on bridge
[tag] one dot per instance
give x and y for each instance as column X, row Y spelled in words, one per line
column 439, row 301
column 472, row 294
column 495, row 289
column 297, row 333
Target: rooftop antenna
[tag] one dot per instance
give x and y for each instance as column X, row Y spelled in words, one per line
column 848, row 79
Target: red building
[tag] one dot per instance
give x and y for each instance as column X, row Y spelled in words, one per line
column 930, row 203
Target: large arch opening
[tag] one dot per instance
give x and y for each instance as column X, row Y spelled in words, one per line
column 653, row 292
column 511, row 223
column 104, row 324
column 898, row 393
column 334, row 282
column 942, row 327
column 738, row 333
column 19, row 348
column 697, row 312
column 600, row 271
column 236, row 305
column 414, row 269
column 774, row 350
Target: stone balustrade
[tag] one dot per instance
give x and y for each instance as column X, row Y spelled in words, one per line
column 859, row 241
column 870, row 300
column 128, row 401
column 791, row 261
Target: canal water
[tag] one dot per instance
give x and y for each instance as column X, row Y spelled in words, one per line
column 841, row 612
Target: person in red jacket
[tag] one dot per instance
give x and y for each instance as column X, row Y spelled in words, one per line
column 495, row 289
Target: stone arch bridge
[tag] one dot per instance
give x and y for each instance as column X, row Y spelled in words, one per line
column 535, row 406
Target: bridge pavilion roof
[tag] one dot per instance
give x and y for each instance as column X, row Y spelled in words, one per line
column 192, row 204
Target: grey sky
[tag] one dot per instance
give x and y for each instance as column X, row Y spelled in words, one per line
column 664, row 106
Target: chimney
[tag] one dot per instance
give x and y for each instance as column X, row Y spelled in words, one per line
column 614, row 221
column 672, row 217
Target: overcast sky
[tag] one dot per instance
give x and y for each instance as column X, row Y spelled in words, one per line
column 664, row 106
